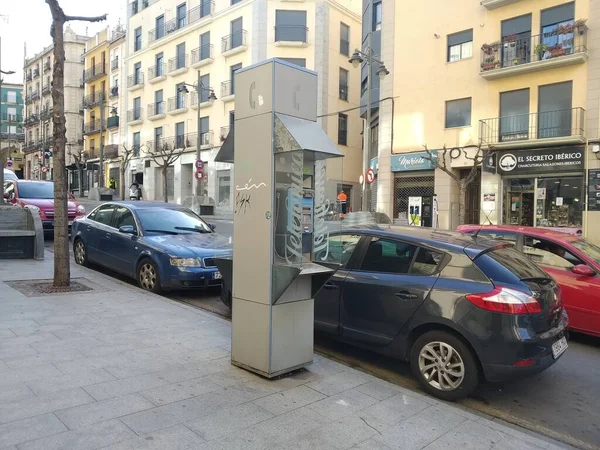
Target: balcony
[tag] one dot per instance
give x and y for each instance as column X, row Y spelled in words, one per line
column 114, row 92
column 157, row 73
column 206, row 139
column 291, row 36
column 114, row 64
column 224, row 133
column 519, row 54
column 46, row 90
column 493, row 4
column 204, row 103
column 31, row 119
column 93, row 73
column 94, row 126
column 178, row 65
column 156, row 111
column 36, row 73
column 45, row 114
column 205, row 9
column 33, row 95
column 28, row 77
column 235, row 43
column 167, row 144
column 535, row 129
column 202, row 56
column 93, row 99
column 135, row 81
column 111, row 151
column 12, row 118
column 177, row 105
column 112, row 122
column 135, row 116
column 227, row 91
column 47, row 66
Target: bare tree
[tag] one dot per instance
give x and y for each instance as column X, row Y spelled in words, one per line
column 80, row 157
column 62, row 269
column 441, row 162
column 164, row 153
column 125, row 157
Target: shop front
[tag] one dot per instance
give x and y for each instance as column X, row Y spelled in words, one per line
column 543, row 188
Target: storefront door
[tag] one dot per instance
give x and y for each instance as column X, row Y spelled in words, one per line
column 520, row 208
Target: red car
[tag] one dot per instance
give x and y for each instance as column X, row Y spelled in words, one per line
column 571, row 260
column 41, row 195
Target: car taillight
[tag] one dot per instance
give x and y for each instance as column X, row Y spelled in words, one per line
column 508, row 301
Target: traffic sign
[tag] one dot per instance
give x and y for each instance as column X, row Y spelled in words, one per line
column 199, row 175
column 199, row 164
column 370, row 175
column 44, row 169
column 8, row 164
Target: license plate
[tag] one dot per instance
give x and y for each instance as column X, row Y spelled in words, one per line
column 217, row 275
column 559, row 347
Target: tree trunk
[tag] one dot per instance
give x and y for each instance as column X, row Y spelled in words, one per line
column 62, row 270
column 165, row 193
column 80, row 175
column 462, row 198
column 122, row 188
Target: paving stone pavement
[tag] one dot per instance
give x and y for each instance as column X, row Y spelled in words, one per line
column 119, row 368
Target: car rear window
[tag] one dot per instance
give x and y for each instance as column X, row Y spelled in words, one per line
column 507, row 265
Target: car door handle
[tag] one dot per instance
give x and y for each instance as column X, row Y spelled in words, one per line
column 406, row 295
column 331, row 286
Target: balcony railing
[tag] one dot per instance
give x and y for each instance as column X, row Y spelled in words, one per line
column 520, row 49
column 224, row 133
column 193, row 15
column 156, row 109
column 93, row 99
column 202, row 53
column 134, row 115
column 291, row 33
column 156, row 71
column 344, row 92
column 114, row 64
column 12, row 118
column 94, row 126
column 46, row 114
column 28, row 77
column 111, row 151
column 233, row 41
column 47, row 66
column 177, row 103
column 166, row 144
column 112, row 122
column 178, row 62
column 526, row 127
column 206, row 90
column 94, row 72
column 227, row 88
column 31, row 119
column 114, row 92
column 206, row 139
column 133, row 80
column 18, row 137
column 45, row 89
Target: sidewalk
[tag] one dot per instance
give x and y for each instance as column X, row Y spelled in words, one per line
column 118, row 368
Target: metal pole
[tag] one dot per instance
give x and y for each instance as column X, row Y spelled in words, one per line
column 101, row 159
column 1, row 152
column 367, row 150
column 199, row 184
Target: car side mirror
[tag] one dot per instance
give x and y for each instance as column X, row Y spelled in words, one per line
column 127, row 229
column 583, row 270
column 212, row 226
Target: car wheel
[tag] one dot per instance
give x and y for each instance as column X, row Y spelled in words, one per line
column 147, row 276
column 444, row 365
column 80, row 253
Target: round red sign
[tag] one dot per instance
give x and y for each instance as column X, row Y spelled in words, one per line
column 370, row 175
column 199, row 175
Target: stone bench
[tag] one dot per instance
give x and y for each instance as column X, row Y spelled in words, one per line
column 21, row 233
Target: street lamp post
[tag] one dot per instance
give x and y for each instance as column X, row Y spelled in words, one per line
column 2, row 162
column 358, row 58
column 211, row 99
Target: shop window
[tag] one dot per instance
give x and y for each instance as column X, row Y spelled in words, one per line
column 559, row 202
column 460, row 45
column 548, row 253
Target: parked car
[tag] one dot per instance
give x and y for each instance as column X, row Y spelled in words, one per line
column 458, row 309
column 9, row 175
column 41, row 195
column 162, row 246
column 571, row 260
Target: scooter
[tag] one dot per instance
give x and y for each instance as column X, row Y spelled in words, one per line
column 135, row 193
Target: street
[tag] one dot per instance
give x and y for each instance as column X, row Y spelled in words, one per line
column 560, row 403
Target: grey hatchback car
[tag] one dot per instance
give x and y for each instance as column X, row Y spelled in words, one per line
column 459, row 309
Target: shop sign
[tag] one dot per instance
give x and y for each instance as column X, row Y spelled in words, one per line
column 594, row 190
column 565, row 159
column 406, row 162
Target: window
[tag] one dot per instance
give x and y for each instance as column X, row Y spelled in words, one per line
column 205, row 88
column 179, row 96
column 342, row 129
column 514, row 115
column 159, row 106
column 237, row 31
column 11, row 97
column 458, row 113
column 555, row 110
column 340, row 249
column 137, row 108
column 516, row 41
column 180, row 51
column 136, row 144
column 160, row 26
column 204, row 130
column 377, row 15
column 181, row 16
column 103, row 214
column 374, row 141
column 137, row 43
column 232, row 71
column 158, row 132
column 159, row 69
column 205, row 45
column 180, row 135
column 551, row 20
column 567, row 212
column 344, row 39
column 344, row 84
column 123, row 217
column 426, row 262
column 548, row 253
column 384, row 255
column 297, row 61
column 137, row 70
column 460, row 45
column 233, row 2
column 290, row 26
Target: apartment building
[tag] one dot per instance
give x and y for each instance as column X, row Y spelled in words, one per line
column 38, row 106
column 509, row 76
column 101, row 106
column 11, row 125
column 172, row 44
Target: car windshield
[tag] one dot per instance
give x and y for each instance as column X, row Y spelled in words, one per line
column 171, row 221
column 36, row 190
column 587, row 248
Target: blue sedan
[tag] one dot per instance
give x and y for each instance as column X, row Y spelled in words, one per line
column 162, row 246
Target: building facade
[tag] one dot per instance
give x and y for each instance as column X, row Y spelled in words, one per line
column 506, row 79
column 12, row 134
column 172, row 44
column 38, row 106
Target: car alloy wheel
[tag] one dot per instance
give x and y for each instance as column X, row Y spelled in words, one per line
column 79, row 251
column 148, row 276
column 442, row 366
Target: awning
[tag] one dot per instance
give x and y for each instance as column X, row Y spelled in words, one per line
column 291, row 134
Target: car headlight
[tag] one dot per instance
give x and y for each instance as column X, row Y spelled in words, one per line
column 185, row 262
column 81, row 209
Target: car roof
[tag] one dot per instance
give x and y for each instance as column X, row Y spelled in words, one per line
column 137, row 205
column 534, row 231
column 34, row 182
column 432, row 237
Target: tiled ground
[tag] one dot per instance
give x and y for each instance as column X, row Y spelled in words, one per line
column 122, row 369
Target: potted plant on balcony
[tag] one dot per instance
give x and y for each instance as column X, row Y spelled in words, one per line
column 511, row 39
column 579, row 25
column 541, row 49
column 490, row 49
column 489, row 63
column 557, row 50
